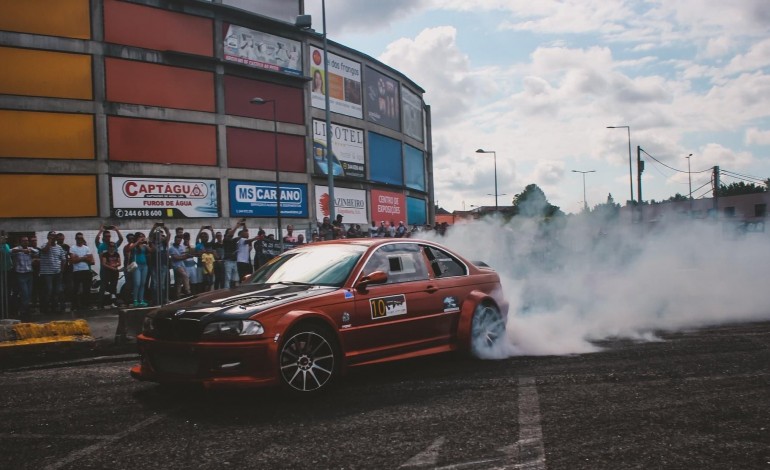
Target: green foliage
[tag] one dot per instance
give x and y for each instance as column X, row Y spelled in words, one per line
column 532, row 203
column 735, row 189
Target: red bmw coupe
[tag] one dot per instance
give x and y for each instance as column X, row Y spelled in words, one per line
column 311, row 313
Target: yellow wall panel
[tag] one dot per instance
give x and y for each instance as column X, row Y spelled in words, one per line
column 27, row 134
column 53, row 196
column 67, row 18
column 32, row 72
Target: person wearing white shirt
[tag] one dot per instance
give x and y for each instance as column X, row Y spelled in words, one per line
column 81, row 259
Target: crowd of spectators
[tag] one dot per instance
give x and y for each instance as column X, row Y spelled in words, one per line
column 53, row 277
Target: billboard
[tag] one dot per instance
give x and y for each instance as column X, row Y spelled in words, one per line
column 259, row 199
column 351, row 203
column 344, row 84
column 411, row 105
column 257, row 49
column 164, row 198
column 388, row 206
column 382, row 102
column 347, row 150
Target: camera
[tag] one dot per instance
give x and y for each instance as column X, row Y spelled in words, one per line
column 109, row 227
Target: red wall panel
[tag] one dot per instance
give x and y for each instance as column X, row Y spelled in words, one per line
column 153, row 28
column 255, row 150
column 159, row 85
column 152, row 141
column 289, row 103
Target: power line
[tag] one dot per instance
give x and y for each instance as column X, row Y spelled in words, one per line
column 741, row 176
column 672, row 168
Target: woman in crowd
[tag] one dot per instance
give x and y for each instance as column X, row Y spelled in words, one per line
column 139, row 250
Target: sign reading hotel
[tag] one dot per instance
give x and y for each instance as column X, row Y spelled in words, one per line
column 388, row 206
column 164, row 198
column 347, row 146
column 259, row 199
column 351, row 203
column 344, row 84
column 257, row 49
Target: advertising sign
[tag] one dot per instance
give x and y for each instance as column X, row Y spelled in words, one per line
column 344, row 83
column 382, row 102
column 412, row 107
column 259, row 199
column 388, row 206
column 258, row 49
column 347, row 150
column 164, row 198
column 351, row 203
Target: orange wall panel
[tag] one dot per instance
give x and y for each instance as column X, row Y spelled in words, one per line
column 27, row 134
column 66, row 18
column 32, row 72
column 153, row 28
column 48, row 195
column 153, row 141
column 159, row 85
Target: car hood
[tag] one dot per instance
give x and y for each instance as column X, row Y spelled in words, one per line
column 239, row 302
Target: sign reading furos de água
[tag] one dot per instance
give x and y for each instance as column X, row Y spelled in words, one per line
column 164, row 198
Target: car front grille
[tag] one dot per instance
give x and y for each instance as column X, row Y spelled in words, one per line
column 178, row 329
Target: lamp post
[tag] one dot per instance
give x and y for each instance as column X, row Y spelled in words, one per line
column 630, row 168
column 260, row 101
column 494, row 155
column 689, row 179
column 329, row 165
column 585, row 202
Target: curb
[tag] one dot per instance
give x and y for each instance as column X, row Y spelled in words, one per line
column 22, row 334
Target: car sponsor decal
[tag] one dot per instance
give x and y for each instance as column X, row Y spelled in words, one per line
column 348, row 294
column 389, row 306
column 451, row 305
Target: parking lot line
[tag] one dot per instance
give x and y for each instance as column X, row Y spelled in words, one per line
column 531, row 451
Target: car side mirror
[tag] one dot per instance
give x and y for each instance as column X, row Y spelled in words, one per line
column 377, row 277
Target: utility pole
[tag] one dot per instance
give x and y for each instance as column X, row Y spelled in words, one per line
column 716, row 191
column 639, row 170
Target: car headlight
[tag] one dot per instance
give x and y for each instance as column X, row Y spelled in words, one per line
column 233, row 328
column 148, row 326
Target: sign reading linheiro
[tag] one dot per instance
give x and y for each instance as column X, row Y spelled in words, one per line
column 165, row 198
column 351, row 203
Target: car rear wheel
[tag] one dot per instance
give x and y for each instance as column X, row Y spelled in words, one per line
column 487, row 330
column 308, row 360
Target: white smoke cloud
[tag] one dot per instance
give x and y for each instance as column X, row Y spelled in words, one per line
column 581, row 280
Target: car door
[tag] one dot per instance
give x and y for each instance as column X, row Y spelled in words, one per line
column 452, row 284
column 390, row 319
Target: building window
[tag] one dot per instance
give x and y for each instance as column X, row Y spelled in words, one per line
column 760, row 210
column 729, row 211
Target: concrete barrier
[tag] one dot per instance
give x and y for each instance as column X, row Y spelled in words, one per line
column 17, row 334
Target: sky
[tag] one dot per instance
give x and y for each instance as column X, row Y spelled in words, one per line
column 538, row 82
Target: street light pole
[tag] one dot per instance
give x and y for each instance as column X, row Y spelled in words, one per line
column 689, row 179
column 630, row 168
column 585, row 202
column 329, row 165
column 260, row 101
column 494, row 155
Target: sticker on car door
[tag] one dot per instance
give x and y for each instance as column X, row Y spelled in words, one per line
column 390, row 306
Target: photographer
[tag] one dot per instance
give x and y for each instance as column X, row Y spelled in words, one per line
column 140, row 251
column 159, row 238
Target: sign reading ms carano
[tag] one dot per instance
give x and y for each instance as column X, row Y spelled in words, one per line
column 259, row 199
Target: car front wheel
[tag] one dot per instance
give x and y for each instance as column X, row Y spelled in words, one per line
column 308, row 360
column 487, row 331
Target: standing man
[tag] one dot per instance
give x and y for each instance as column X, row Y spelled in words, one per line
column 53, row 259
column 230, row 252
column 67, row 279
column 159, row 239
column 244, row 251
column 81, row 259
column 22, row 256
column 219, row 261
column 104, row 237
column 179, row 254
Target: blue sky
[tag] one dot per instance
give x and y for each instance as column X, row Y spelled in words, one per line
column 538, row 82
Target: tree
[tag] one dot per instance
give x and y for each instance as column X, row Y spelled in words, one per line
column 735, row 189
column 532, row 203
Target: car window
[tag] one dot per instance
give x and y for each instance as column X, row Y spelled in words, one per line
column 443, row 264
column 402, row 262
column 315, row 264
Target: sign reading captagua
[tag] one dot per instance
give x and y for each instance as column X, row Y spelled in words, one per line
column 164, row 198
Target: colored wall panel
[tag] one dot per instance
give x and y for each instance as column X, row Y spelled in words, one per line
column 67, row 18
column 49, row 195
column 256, row 150
column 417, row 211
column 414, row 168
column 159, row 85
column 289, row 103
column 153, row 28
column 43, row 73
column 152, row 141
column 385, row 163
column 26, row 134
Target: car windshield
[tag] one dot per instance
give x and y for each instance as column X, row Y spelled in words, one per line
column 327, row 265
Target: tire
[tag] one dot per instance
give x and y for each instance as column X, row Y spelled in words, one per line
column 487, row 331
column 308, row 360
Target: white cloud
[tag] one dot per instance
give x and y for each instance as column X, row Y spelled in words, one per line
column 755, row 136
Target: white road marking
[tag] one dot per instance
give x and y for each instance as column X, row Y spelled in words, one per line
column 426, row 458
column 99, row 445
column 530, row 444
column 87, row 437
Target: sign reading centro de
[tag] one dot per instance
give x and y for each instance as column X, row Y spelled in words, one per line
column 164, row 198
column 259, row 199
column 388, row 206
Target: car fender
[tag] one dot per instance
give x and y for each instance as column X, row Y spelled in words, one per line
column 287, row 322
column 473, row 299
